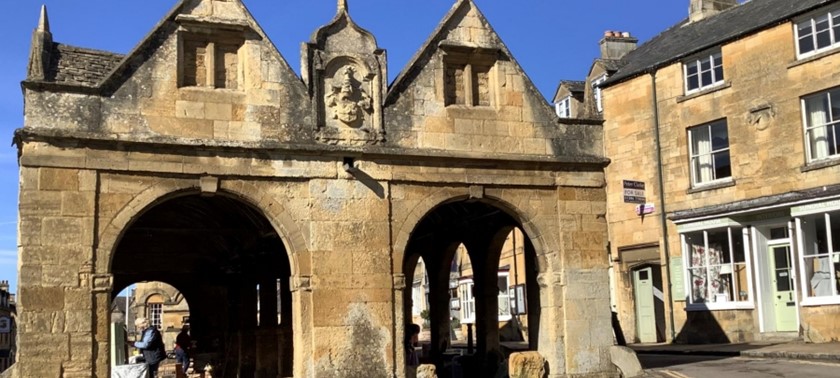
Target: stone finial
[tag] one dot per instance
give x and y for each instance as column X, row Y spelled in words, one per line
column 342, row 6
column 44, row 21
column 39, row 55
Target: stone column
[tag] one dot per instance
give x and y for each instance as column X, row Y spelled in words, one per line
column 438, row 270
column 247, row 326
column 285, row 333
column 302, row 319
column 266, row 337
column 400, row 311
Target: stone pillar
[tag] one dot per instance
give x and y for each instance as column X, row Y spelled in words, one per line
column 285, row 333
column 247, row 326
column 400, row 311
column 267, row 363
column 438, row 306
column 302, row 319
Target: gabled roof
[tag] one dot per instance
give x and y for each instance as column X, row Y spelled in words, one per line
column 685, row 39
column 429, row 47
column 575, row 88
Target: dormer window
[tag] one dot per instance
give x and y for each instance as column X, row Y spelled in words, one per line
column 703, row 72
column 599, row 104
column 817, row 34
column 564, row 107
column 209, row 64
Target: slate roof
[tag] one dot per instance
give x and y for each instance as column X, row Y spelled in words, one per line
column 574, row 85
column 79, row 66
column 685, row 38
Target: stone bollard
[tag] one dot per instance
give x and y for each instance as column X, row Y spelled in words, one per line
column 626, row 360
column 426, row 371
column 527, row 365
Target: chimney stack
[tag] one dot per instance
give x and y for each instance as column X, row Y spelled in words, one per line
column 615, row 45
column 701, row 9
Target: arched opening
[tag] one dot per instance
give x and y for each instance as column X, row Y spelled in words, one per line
column 226, row 257
column 480, row 286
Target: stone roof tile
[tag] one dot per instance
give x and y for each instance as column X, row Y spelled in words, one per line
column 79, row 66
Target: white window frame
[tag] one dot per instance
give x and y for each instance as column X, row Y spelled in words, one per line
column 696, row 155
column 599, row 102
column 155, row 317
column 698, row 62
column 735, row 303
column 563, row 108
column 831, row 255
column 833, row 122
column 833, row 20
column 504, row 296
column 465, row 295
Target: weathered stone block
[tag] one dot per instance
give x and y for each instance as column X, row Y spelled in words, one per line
column 527, row 365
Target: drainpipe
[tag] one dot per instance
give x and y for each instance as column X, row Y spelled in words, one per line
column 662, row 218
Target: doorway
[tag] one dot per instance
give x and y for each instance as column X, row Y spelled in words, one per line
column 649, row 304
column 782, row 295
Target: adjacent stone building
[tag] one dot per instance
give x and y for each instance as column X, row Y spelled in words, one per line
column 200, row 159
column 724, row 188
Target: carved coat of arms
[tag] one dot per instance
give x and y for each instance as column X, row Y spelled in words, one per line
column 347, row 101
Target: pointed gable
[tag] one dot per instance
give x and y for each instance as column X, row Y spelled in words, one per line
column 464, row 92
column 206, row 71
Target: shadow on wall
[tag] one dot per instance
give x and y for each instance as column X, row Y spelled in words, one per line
column 701, row 327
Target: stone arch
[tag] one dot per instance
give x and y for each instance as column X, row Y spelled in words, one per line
column 154, row 194
column 542, row 245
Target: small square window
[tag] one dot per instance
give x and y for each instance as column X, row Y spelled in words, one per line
column 703, row 72
column 709, row 151
column 209, row 64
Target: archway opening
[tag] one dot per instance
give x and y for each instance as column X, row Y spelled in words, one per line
column 226, row 257
column 475, row 270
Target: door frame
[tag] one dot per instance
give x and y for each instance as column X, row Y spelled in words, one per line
column 761, row 244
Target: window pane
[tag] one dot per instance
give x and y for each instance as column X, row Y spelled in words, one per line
column 691, row 69
column 806, row 44
column 818, row 273
column 823, row 39
column 816, row 110
column 699, row 287
column 695, row 248
column 693, row 82
column 836, row 24
column 705, row 64
column 738, row 252
column 718, row 60
column 700, row 143
column 706, row 78
column 720, row 137
column 718, row 74
column 804, row 29
column 718, row 247
column 835, row 233
column 723, row 167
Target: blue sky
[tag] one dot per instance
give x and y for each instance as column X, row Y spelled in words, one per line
column 553, row 40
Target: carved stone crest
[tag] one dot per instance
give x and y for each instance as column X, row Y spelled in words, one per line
column 346, row 100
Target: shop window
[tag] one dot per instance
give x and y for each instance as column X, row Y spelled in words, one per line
column 820, row 243
column 716, row 263
column 821, row 115
column 504, row 296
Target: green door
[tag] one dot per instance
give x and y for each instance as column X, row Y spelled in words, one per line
column 784, row 303
column 645, row 312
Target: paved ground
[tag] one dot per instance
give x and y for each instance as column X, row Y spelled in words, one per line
column 693, row 366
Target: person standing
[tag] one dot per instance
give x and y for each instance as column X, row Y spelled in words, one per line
column 183, row 347
column 151, row 344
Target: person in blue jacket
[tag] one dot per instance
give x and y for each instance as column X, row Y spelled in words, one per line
column 151, row 344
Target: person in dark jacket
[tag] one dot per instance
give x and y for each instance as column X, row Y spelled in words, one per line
column 183, row 347
column 151, row 344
